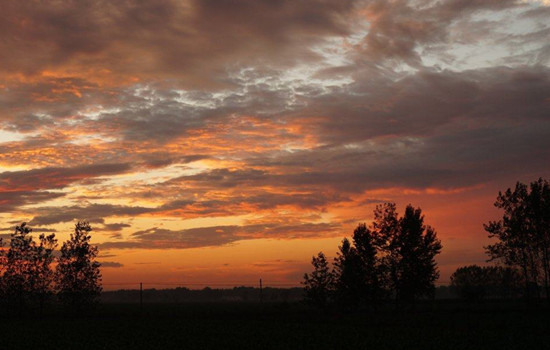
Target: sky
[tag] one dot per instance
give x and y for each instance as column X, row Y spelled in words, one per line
column 216, row 142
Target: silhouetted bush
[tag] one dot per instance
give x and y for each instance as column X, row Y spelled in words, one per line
column 475, row 282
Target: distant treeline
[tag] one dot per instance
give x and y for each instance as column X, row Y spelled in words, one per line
column 183, row 295
column 236, row 294
column 488, row 282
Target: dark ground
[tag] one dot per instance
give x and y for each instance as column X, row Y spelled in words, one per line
column 439, row 325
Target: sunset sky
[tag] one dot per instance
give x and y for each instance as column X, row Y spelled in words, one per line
column 217, row 141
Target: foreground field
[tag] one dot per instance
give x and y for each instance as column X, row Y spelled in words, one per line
column 444, row 325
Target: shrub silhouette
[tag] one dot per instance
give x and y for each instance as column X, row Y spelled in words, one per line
column 474, row 282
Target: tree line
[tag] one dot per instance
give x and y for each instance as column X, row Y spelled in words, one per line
column 522, row 250
column 393, row 258
column 32, row 272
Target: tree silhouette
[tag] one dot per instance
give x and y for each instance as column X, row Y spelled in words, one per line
column 41, row 277
column 348, row 271
column 319, row 285
column 364, row 241
column 469, row 282
column 77, row 274
column 475, row 282
column 28, row 275
column 18, row 259
column 417, row 247
column 408, row 249
column 523, row 233
column 357, row 270
column 393, row 256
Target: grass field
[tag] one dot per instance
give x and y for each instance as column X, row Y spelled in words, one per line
column 443, row 325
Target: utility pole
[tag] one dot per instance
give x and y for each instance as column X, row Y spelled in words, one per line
column 140, row 296
column 261, row 292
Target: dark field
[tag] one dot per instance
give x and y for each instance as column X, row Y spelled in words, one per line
column 443, row 325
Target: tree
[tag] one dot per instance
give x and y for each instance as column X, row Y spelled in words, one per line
column 385, row 229
column 371, row 269
column 348, row 272
column 393, row 256
column 41, row 275
column 357, row 270
column 77, row 274
column 469, row 282
column 319, row 285
column 417, row 247
column 408, row 249
column 28, row 275
column 475, row 282
column 523, row 233
column 18, row 259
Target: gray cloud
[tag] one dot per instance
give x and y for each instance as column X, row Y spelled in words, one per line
column 12, row 200
column 214, row 81
column 192, row 37
column 56, row 178
column 110, row 264
column 94, row 213
column 160, row 238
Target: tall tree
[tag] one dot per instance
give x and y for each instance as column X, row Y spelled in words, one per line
column 371, row 269
column 523, row 233
column 539, row 222
column 349, row 275
column 385, row 229
column 408, row 248
column 418, row 246
column 15, row 283
column 41, row 275
column 319, row 285
column 357, row 270
column 77, row 274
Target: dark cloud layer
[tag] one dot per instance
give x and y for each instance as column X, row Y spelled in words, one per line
column 278, row 109
column 94, row 213
column 55, row 178
column 160, row 238
column 188, row 38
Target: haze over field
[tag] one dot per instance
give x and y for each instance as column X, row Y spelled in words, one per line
column 221, row 141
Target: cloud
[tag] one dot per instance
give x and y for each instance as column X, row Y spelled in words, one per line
column 284, row 113
column 157, row 38
column 55, row 178
column 398, row 28
column 160, row 238
column 93, row 213
column 115, row 226
column 12, row 200
column 110, row 264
